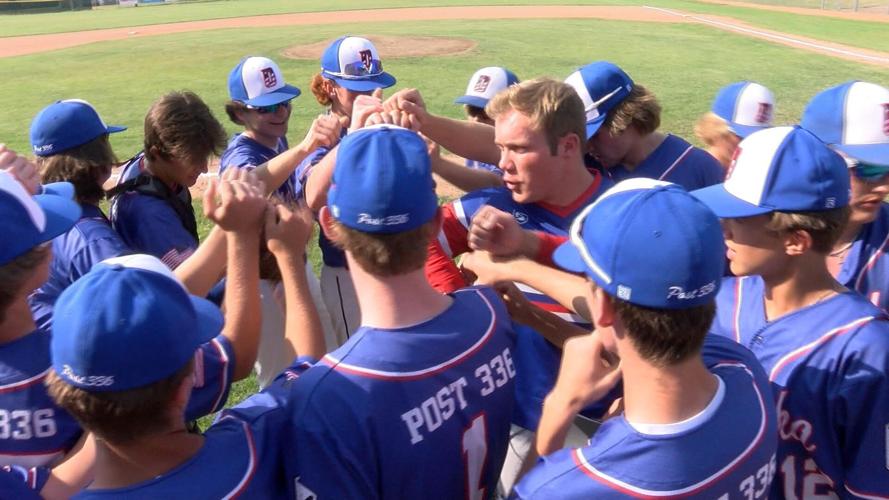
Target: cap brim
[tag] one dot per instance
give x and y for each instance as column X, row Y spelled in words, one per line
column 61, row 214
column 568, row 258
column 743, row 131
column 209, row 318
column 472, row 100
column 725, row 205
column 594, row 126
column 283, row 94
column 381, row 81
column 873, row 154
column 112, row 129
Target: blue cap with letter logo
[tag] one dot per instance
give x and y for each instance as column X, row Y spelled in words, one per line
column 601, row 86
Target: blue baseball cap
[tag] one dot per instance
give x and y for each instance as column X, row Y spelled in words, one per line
column 780, row 169
column 28, row 221
column 257, row 81
column 612, row 242
column 382, row 181
column 601, row 86
column 854, row 119
column 354, row 63
column 747, row 107
column 485, row 84
column 67, row 124
column 128, row 323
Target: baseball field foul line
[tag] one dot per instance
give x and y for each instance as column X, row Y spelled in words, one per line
column 773, row 36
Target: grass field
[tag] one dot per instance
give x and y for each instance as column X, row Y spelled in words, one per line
column 855, row 33
column 684, row 64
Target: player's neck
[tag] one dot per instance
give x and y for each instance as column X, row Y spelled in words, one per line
column 17, row 321
column 160, row 172
column 642, row 149
column 396, row 301
column 268, row 141
column 804, row 282
column 121, row 465
column 575, row 180
column 657, row 395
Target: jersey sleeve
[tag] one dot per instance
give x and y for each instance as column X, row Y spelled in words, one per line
column 548, row 245
column 335, row 456
column 452, row 241
column 94, row 252
column 542, row 481
column 861, row 412
column 22, row 483
column 214, row 365
column 154, row 228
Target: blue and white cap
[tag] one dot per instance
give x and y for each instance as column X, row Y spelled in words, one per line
column 650, row 243
column 354, row 63
column 601, row 86
column 382, row 181
column 853, row 118
column 128, row 323
column 780, row 169
column 257, row 81
column 27, row 221
column 67, row 124
column 746, row 106
column 485, row 84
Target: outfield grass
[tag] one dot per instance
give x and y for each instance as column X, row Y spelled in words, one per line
column 683, row 63
column 863, row 34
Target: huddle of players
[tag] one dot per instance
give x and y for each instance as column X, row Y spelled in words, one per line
column 426, row 394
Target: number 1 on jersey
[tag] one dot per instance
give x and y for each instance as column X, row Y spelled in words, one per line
column 475, row 452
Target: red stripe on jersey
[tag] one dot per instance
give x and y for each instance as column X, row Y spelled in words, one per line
column 23, row 384
column 870, row 264
column 251, row 462
column 223, row 376
column 580, row 201
column 836, row 332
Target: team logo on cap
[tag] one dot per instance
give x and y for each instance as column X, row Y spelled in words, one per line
column 367, row 59
column 764, row 113
column 269, row 79
column 482, row 83
column 886, row 118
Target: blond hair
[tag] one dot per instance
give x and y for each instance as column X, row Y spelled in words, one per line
column 553, row 107
column 712, row 129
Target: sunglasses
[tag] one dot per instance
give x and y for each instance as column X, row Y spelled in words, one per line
column 867, row 172
column 271, row 108
column 360, row 69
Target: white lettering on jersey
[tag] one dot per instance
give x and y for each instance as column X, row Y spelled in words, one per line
column 800, row 430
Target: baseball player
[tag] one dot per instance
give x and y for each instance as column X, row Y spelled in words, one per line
column 622, row 131
column 853, row 118
column 428, row 376
column 546, row 186
column 71, row 144
column 33, row 430
column 824, row 347
column 350, row 68
column 151, row 205
column 122, row 362
column 738, row 110
column 683, row 390
column 484, row 84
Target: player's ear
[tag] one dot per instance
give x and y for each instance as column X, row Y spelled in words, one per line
column 182, row 395
column 326, row 222
column 797, row 242
column 570, row 146
column 604, row 314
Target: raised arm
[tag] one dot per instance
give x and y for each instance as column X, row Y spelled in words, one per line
column 287, row 232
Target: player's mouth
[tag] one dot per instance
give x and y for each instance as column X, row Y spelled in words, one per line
column 869, row 203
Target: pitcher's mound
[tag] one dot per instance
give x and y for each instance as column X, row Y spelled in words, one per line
column 393, row 46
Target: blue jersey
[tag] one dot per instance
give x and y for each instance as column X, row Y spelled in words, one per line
column 242, row 455
column 214, row 365
column 676, row 161
column 245, row 152
column 678, row 460
column 74, row 253
column 20, row 483
column 148, row 224
column 866, row 267
column 829, row 368
column 33, row 430
column 537, row 360
column 480, row 165
column 417, row 412
column 330, row 254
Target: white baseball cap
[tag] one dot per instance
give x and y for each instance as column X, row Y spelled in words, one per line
column 746, row 106
column 854, row 119
column 485, row 84
column 257, row 81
